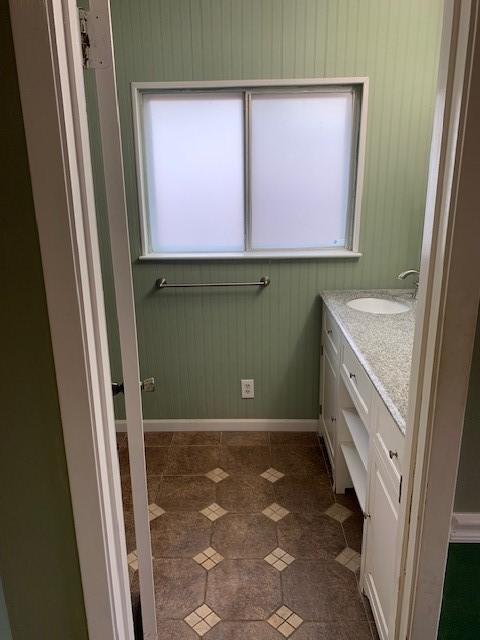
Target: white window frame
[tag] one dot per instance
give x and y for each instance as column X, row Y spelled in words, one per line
column 359, row 84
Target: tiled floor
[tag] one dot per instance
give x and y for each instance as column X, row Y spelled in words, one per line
column 249, row 542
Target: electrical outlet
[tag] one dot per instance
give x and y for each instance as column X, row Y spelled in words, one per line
column 248, row 388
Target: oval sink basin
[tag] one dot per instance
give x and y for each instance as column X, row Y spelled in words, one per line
column 378, row 305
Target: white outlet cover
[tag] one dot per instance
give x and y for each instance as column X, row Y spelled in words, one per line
column 248, row 388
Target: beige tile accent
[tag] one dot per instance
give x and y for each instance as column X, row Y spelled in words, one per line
column 154, row 511
column 272, row 475
column 285, row 621
column 217, row 475
column 202, row 620
column 338, row 512
column 275, row 512
column 208, row 558
column 279, row 559
column 213, row 511
column 349, row 558
column 132, row 560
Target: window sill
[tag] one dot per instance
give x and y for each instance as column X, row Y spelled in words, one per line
column 253, row 255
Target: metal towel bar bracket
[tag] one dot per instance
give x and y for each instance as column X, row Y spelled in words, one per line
column 162, row 283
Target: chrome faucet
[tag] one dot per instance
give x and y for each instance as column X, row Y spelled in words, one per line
column 410, row 272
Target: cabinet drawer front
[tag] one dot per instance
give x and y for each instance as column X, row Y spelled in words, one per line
column 358, row 383
column 390, row 440
column 331, row 333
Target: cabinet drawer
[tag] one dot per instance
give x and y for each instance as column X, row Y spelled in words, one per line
column 390, row 440
column 331, row 333
column 357, row 382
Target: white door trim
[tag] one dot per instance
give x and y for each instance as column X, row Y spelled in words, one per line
column 447, row 314
column 58, row 155
column 112, row 155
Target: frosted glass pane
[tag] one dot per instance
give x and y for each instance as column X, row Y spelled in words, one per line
column 300, row 173
column 194, row 153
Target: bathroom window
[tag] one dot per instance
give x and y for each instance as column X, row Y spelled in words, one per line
column 258, row 171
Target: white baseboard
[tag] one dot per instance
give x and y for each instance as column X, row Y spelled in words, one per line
column 465, row 527
column 228, row 424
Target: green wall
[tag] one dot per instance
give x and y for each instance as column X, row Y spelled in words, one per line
column 38, row 554
column 199, row 344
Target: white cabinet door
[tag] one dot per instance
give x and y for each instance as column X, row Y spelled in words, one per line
column 381, row 538
column 329, row 402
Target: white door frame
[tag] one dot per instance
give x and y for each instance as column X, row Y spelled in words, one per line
column 54, row 117
column 446, row 322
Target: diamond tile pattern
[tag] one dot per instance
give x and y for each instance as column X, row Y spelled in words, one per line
column 208, row 558
column 349, row 558
column 285, row 621
column 272, row 475
column 213, row 511
column 217, row 475
column 202, row 620
column 275, row 512
column 249, row 541
column 279, row 559
column 154, row 511
column 338, row 512
column 132, row 560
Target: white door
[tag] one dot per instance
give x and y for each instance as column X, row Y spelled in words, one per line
column 102, row 61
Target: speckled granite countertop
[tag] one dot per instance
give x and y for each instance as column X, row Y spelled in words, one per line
column 382, row 343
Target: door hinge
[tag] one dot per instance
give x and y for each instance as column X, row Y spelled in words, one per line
column 320, row 410
column 94, row 39
column 321, row 349
column 400, row 490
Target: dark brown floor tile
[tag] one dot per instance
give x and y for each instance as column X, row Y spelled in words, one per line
column 196, row 437
column 185, row 493
column 243, row 590
column 158, row 438
column 322, row 591
column 192, row 460
column 180, row 535
column 298, row 460
column 368, row 608
column 179, row 587
column 319, row 631
column 129, row 531
column 310, row 535
column 357, row 631
column 121, row 440
column 245, row 494
column 244, row 536
column 243, row 631
column 245, row 460
column 175, row 630
column 124, row 462
column 245, row 438
column 353, row 528
column 300, row 493
column 153, row 483
column 333, row 631
column 349, row 500
column 156, row 458
column 296, row 438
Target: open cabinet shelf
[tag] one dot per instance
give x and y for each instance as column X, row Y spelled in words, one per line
column 357, row 471
column 358, row 432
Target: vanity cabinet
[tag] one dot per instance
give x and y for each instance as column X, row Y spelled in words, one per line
column 365, row 448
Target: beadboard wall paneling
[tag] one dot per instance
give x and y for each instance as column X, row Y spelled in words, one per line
column 198, row 344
